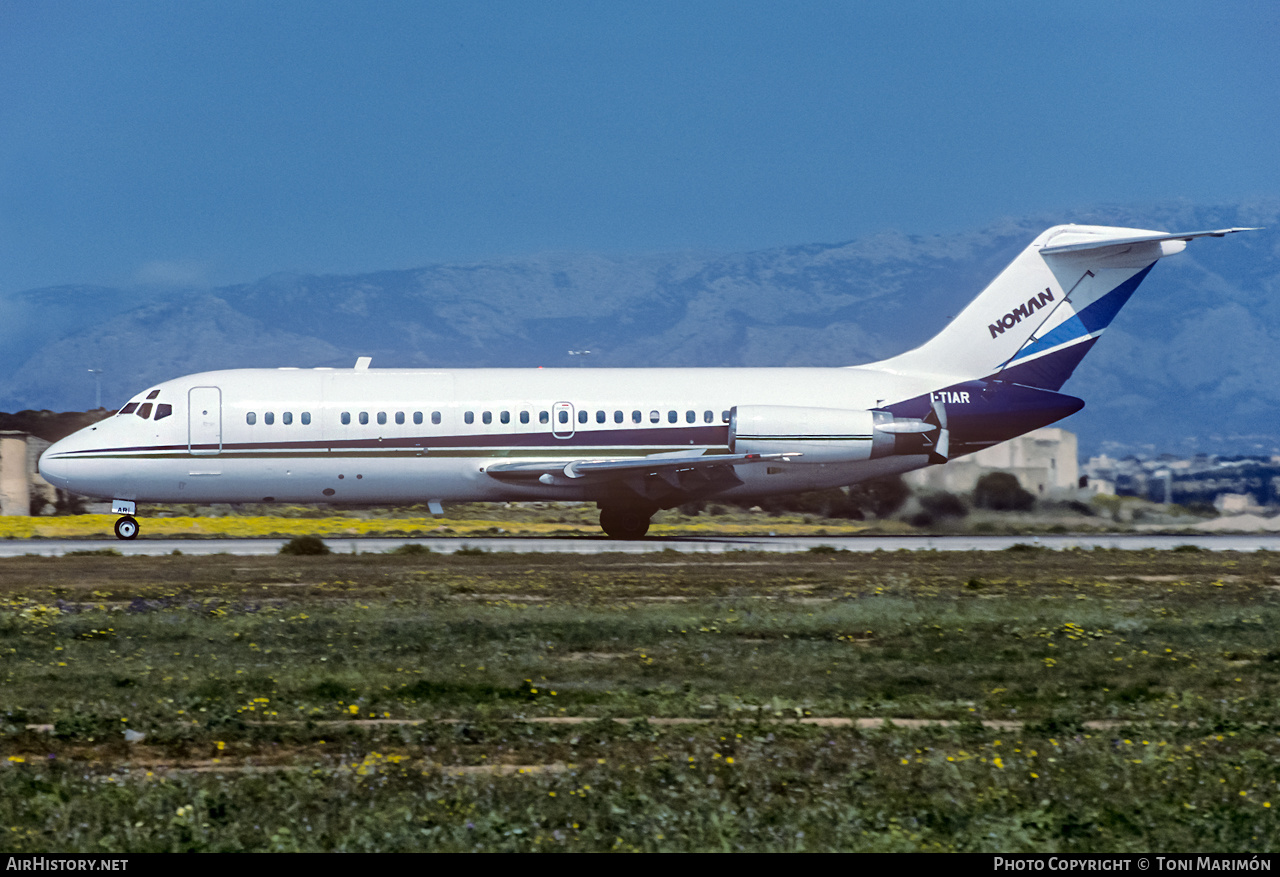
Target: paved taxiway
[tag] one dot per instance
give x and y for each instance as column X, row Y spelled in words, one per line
column 58, row 547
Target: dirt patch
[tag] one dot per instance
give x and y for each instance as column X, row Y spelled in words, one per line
column 593, row 656
column 505, row 770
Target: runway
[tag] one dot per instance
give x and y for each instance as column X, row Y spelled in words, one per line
column 715, row 545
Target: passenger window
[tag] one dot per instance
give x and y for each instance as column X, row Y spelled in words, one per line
column 637, row 417
column 163, row 410
column 435, row 417
column 505, row 417
column 382, row 418
column 286, row 418
column 582, row 416
column 268, row 418
column 346, row 418
column 145, row 411
column 691, row 417
column 544, row 417
column 417, row 417
column 564, row 416
column 306, row 418
column 672, row 417
column 599, row 417
column 469, row 417
column 708, row 417
column 617, row 417
column 251, row 418
column 364, row 417
column 524, row 416
column 654, row 417
column 399, row 417
column 487, row 417
column 130, row 408
column 724, row 416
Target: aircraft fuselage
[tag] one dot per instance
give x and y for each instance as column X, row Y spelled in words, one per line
column 632, row 440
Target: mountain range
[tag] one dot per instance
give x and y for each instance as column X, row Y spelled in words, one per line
column 1190, row 365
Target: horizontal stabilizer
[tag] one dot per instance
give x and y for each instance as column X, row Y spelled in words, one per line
column 1097, row 242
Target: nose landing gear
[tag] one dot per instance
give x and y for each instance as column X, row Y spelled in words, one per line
column 127, row 526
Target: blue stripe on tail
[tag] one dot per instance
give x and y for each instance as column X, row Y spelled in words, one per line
column 1094, row 318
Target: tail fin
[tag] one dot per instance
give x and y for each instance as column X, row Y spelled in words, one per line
column 1035, row 322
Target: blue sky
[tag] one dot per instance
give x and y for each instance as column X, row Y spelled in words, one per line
column 217, row 142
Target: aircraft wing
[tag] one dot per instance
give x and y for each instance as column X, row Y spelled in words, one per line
column 603, row 468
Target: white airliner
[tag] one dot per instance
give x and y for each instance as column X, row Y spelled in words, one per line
column 631, row 440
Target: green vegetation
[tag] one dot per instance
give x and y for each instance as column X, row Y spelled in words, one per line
column 303, row 546
column 1001, row 491
column 1040, row 700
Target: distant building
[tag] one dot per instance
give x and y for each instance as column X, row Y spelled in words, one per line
column 1235, row 504
column 1099, row 486
column 1044, row 462
column 1230, row 484
column 20, row 482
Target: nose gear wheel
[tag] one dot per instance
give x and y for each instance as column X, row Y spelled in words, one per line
column 127, row 527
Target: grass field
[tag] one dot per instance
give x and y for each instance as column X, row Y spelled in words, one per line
column 1051, row 701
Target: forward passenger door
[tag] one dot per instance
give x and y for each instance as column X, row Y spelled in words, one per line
column 204, row 421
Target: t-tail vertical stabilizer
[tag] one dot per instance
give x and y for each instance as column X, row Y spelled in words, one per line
column 1035, row 322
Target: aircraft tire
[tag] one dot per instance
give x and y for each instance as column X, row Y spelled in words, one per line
column 624, row 523
column 127, row 527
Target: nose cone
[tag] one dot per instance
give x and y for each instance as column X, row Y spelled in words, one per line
column 55, row 465
column 67, row 464
column 87, row 463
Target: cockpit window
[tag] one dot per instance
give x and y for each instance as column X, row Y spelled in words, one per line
column 153, row 394
column 145, row 411
column 163, row 410
column 130, row 408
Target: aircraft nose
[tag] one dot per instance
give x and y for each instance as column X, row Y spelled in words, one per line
column 55, row 467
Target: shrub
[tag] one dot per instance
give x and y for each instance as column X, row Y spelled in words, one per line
column 1001, row 492
column 944, row 505
column 305, row 545
column 410, row 548
column 880, row 496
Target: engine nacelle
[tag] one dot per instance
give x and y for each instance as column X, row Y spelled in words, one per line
column 821, row 435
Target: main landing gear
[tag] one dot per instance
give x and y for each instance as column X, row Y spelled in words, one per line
column 625, row 522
